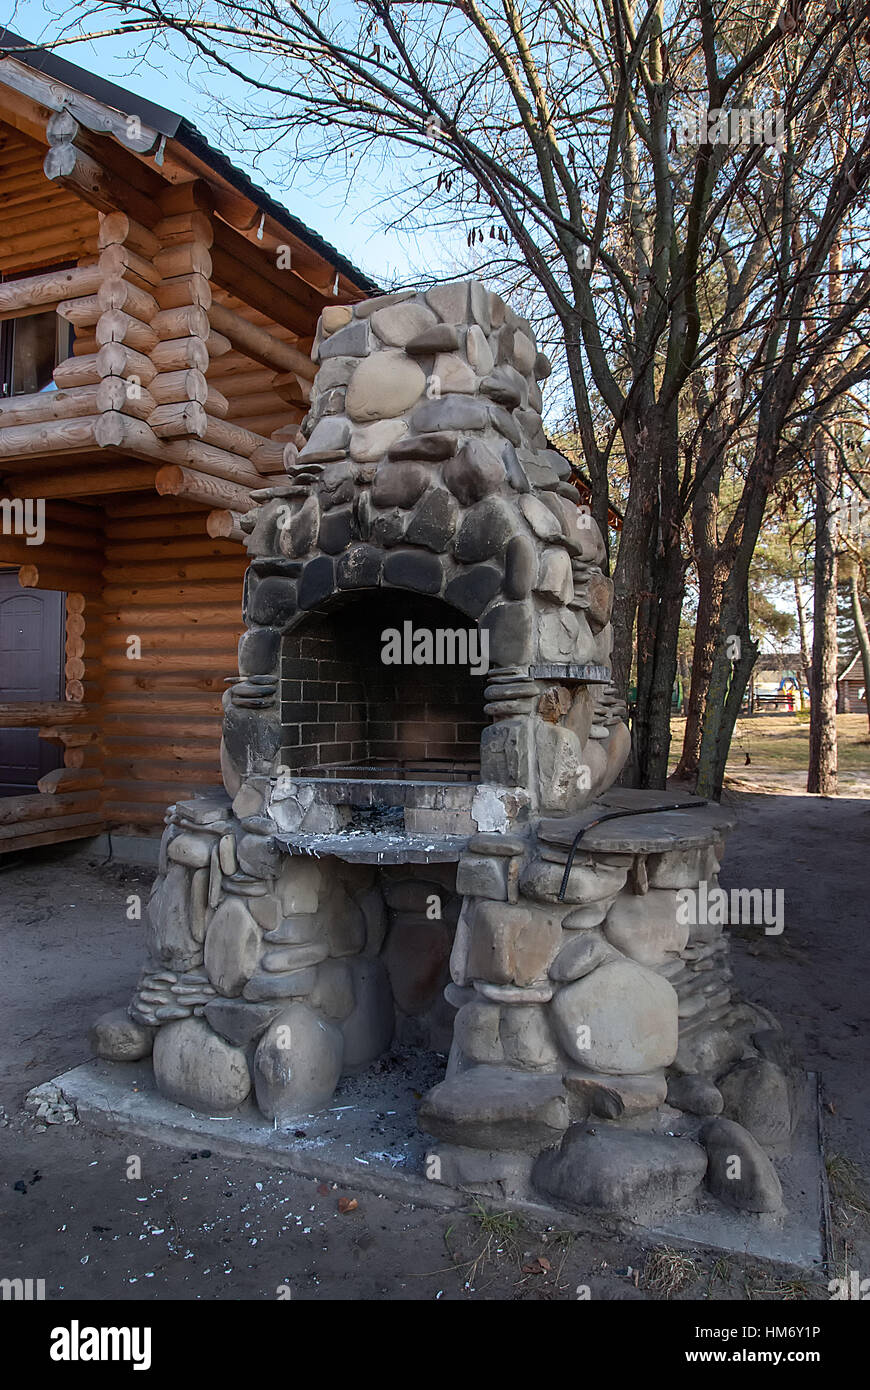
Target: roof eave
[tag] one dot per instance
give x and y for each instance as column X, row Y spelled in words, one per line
column 178, row 128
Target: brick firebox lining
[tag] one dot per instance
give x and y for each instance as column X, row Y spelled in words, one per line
column 341, row 706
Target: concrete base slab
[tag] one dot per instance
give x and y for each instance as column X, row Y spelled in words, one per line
column 368, row 1139
column 797, row 1235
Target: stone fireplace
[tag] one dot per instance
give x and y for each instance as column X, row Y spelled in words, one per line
column 421, row 840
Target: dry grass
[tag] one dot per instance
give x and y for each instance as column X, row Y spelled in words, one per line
column 849, row 1188
column 778, row 747
column 786, row 1290
column 493, row 1248
column 498, row 1239
column 667, row 1271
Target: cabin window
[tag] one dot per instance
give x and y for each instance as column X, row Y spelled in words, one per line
column 31, row 347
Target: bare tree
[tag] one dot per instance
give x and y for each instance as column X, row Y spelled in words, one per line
column 812, row 356
column 648, row 251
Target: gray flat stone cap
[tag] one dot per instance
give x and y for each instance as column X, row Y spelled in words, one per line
column 377, row 849
column 204, row 809
column 692, row 828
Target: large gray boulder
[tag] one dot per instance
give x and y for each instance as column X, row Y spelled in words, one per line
column 738, row 1170
column 297, row 1063
column 197, row 1069
column 117, row 1038
column 622, row 1018
column 756, row 1094
column 232, row 947
column 622, row 1171
column 491, row 1107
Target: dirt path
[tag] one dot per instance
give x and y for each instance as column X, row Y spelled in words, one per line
column 816, row 975
column 200, row 1226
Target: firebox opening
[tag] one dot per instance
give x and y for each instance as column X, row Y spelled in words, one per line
column 350, row 711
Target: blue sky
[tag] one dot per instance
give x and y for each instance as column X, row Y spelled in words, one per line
column 345, row 218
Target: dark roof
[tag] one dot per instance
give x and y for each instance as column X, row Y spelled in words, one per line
column 847, row 669
column 175, row 127
column 188, row 135
column 43, row 60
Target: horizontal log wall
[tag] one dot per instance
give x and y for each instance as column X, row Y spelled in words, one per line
column 150, row 731
column 180, row 592
column 41, row 224
column 147, row 305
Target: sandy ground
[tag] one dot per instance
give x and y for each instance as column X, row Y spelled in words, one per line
column 770, row 753
column 197, row 1226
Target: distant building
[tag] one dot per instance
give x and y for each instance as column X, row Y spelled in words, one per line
column 852, row 689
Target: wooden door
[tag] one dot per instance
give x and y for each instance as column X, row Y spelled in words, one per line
column 31, row 668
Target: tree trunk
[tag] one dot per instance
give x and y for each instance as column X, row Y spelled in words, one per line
column 647, row 619
column 630, row 576
column 658, row 618
column 684, row 676
column 710, row 581
column 654, row 713
column 595, row 463
column 732, row 668
column 861, row 633
column 703, row 653
column 735, row 651
column 806, row 664
column 822, row 773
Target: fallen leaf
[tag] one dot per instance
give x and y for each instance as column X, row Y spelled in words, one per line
column 346, row 1204
column 323, row 1190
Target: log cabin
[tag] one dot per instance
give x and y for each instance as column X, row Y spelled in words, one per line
column 157, row 313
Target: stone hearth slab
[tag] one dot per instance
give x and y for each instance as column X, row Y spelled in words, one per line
column 377, row 849
column 588, row 672
column 340, row 1146
column 358, row 791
